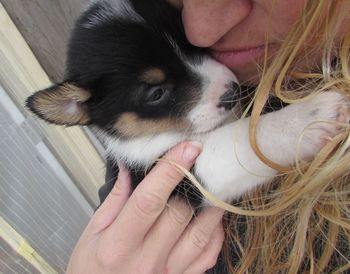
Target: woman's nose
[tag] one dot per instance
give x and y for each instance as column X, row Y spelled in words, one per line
column 207, row 21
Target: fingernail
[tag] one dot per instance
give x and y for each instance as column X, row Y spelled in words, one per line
column 191, row 151
column 121, row 166
column 123, row 172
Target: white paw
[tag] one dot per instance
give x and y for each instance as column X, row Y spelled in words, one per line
column 320, row 119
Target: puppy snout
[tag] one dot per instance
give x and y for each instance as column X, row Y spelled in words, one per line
column 229, row 99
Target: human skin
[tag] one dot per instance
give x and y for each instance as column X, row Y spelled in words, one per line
column 145, row 233
column 237, row 30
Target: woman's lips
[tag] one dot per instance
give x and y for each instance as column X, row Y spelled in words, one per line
column 237, row 58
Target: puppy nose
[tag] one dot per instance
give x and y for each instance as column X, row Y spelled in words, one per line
column 229, row 99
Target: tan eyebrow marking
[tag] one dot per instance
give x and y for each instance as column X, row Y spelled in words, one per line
column 130, row 125
column 153, row 76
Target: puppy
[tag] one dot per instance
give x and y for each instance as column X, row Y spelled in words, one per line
column 133, row 76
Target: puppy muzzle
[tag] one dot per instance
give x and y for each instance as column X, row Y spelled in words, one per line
column 229, row 99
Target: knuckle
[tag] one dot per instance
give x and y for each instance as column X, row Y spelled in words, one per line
column 172, row 175
column 97, row 223
column 149, row 204
column 169, row 172
column 221, row 239
column 148, row 269
column 105, row 258
column 212, row 261
column 180, row 214
column 117, row 190
column 199, row 237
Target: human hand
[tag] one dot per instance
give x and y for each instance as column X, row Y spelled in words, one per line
column 144, row 232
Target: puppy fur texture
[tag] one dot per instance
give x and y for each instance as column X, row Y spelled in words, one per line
column 134, row 77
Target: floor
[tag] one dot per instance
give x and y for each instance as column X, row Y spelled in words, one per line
column 45, row 25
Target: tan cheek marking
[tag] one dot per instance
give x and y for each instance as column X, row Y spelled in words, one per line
column 64, row 105
column 153, row 76
column 130, row 125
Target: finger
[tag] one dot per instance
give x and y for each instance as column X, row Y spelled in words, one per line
column 209, row 256
column 194, row 240
column 166, row 231
column 150, row 197
column 114, row 202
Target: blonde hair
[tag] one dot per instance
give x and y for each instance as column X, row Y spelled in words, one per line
column 300, row 222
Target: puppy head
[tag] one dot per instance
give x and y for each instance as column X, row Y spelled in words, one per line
column 132, row 74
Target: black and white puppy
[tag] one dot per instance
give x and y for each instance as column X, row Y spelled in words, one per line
column 132, row 74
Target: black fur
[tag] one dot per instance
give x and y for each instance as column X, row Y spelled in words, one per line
column 104, row 58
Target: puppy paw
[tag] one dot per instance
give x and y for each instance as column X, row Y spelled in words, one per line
column 320, row 119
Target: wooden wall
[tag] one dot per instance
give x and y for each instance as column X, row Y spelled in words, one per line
column 45, row 25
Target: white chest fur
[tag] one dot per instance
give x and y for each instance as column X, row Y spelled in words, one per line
column 227, row 166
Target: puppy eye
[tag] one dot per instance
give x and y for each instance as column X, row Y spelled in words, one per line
column 157, row 96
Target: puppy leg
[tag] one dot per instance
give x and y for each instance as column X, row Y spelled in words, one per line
column 229, row 167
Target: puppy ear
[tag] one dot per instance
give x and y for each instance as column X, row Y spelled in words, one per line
column 62, row 104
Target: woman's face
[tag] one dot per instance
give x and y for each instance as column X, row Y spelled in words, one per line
column 236, row 30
